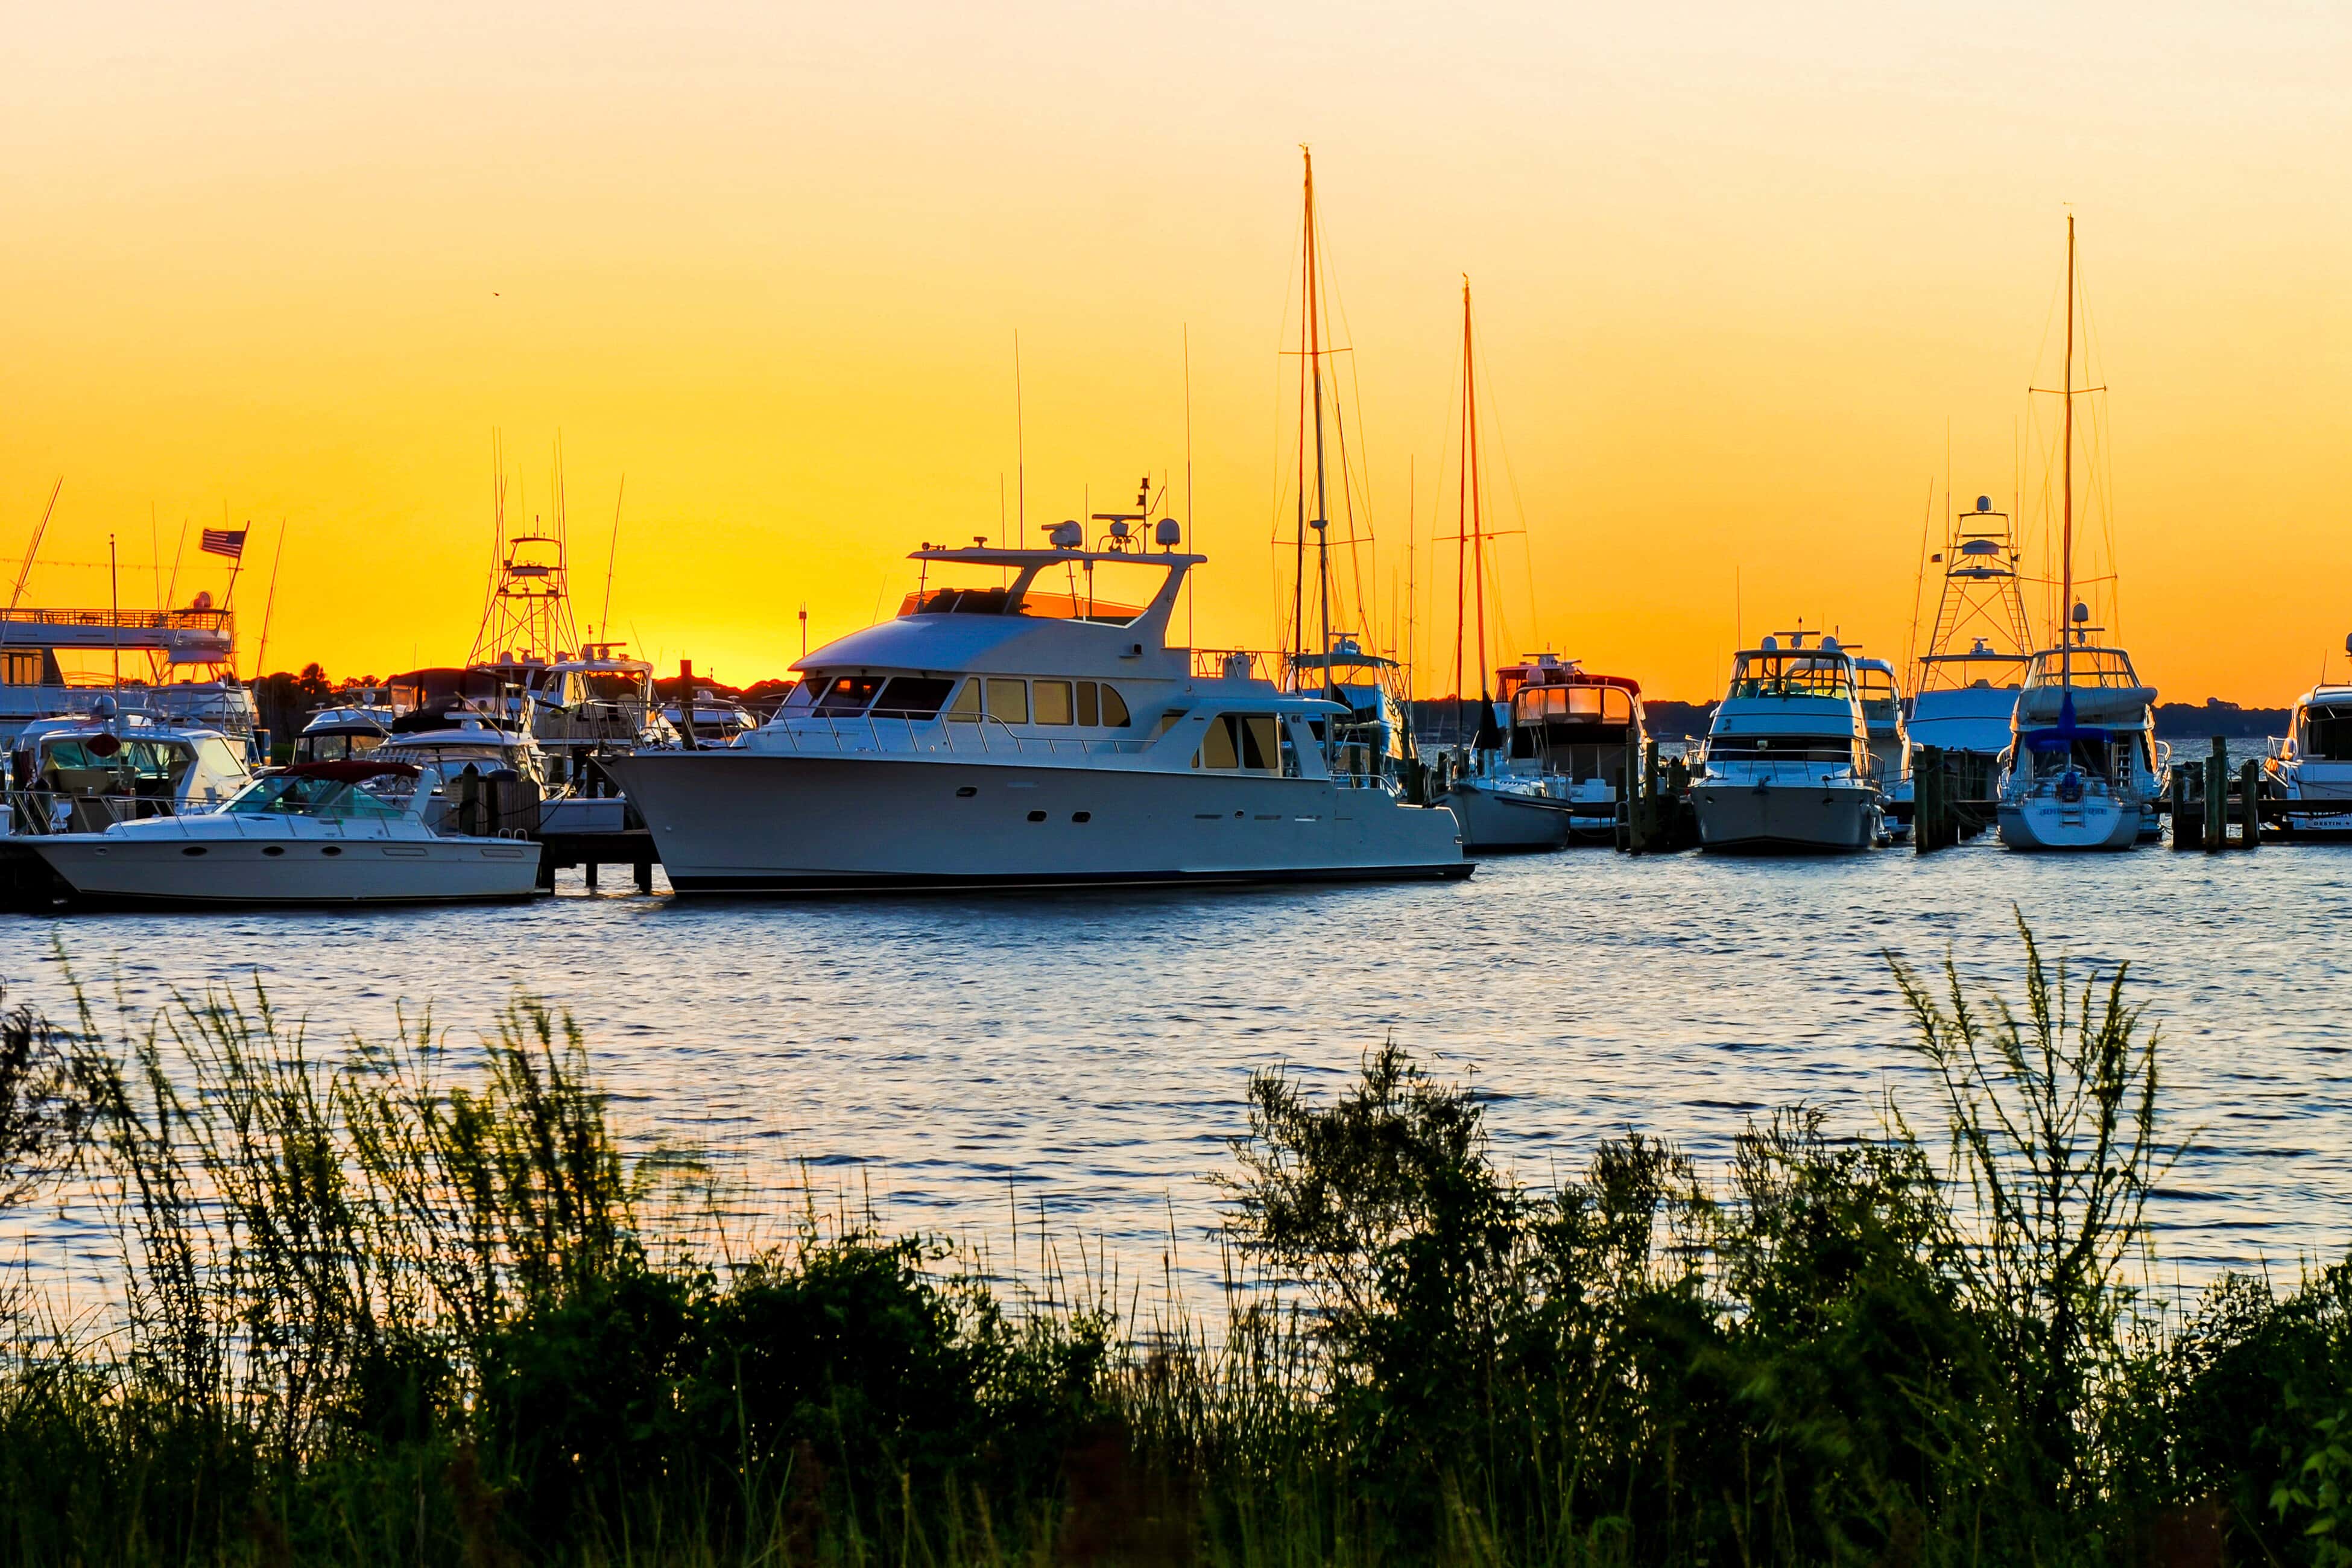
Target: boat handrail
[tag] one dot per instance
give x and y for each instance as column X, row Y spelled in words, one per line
column 34, row 811
column 1216, row 664
column 941, row 732
column 1773, row 768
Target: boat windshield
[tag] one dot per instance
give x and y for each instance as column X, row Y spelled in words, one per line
column 120, row 763
column 378, row 797
column 1573, row 705
column 2326, row 734
column 2089, row 667
column 1789, row 675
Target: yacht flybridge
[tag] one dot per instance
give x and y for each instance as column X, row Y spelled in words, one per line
column 1023, row 722
column 1787, row 765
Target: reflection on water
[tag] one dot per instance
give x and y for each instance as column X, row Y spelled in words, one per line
column 1089, row 1052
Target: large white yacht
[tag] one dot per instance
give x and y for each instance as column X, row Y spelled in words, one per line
column 2314, row 761
column 1786, row 764
column 1014, row 727
column 174, row 666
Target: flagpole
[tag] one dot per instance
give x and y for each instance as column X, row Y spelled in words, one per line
column 235, row 562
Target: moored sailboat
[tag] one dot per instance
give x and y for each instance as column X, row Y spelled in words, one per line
column 2083, row 770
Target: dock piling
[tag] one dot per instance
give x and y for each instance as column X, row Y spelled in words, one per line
column 2250, row 804
column 2217, row 795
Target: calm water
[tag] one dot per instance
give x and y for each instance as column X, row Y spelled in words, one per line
column 1088, row 1053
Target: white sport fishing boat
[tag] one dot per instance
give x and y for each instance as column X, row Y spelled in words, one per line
column 2083, row 769
column 352, row 832
column 2314, row 764
column 1890, row 742
column 1787, row 765
column 1013, row 728
column 1964, row 700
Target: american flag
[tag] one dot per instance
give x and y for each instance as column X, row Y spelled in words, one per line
column 228, row 542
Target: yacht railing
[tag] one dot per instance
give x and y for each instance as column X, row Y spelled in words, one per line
column 1232, row 664
column 1773, row 769
column 43, row 811
column 907, row 734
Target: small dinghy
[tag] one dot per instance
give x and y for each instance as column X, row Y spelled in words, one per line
column 349, row 832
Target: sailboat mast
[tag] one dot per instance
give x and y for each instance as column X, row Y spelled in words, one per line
column 2066, row 568
column 1477, row 508
column 1322, row 519
column 1306, row 315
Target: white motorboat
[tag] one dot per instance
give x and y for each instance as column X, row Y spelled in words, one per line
column 1014, row 728
column 353, row 832
column 83, row 774
column 1890, row 742
column 2314, row 763
column 2083, row 770
column 1786, row 764
column 594, row 700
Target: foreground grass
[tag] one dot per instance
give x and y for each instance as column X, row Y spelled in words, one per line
column 372, row 1313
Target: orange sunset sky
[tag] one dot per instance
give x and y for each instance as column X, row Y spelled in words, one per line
column 1739, row 271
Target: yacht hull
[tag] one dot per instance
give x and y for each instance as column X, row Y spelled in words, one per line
column 748, row 821
column 1743, row 817
column 1495, row 820
column 2046, row 823
column 112, row 870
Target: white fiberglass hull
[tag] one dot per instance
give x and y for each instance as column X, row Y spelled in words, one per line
column 1498, row 819
column 743, row 822
column 1788, row 817
column 2046, row 822
column 111, row 868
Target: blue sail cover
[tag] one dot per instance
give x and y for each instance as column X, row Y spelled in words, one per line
column 2062, row 736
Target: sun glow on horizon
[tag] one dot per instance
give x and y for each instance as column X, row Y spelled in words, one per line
column 1742, row 282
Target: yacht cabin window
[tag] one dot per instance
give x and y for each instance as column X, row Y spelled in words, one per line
column 912, row 696
column 2326, row 735
column 1008, row 700
column 1054, row 704
column 849, row 694
column 1779, row 749
column 966, row 705
column 1114, row 709
column 1242, row 742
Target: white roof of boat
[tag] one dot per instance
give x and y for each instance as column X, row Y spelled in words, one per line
column 992, row 555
